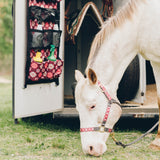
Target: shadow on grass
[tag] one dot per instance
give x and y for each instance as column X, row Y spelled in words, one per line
column 58, row 124
column 72, row 124
column 139, row 124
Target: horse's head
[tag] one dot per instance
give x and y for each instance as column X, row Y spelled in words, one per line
column 92, row 104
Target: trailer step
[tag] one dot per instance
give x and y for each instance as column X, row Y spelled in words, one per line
column 135, row 112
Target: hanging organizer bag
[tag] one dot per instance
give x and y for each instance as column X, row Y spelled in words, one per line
column 43, row 63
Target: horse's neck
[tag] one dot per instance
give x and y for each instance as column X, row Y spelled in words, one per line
column 115, row 55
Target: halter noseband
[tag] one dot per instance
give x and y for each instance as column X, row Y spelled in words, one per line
column 102, row 128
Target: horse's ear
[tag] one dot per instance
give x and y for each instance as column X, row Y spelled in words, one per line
column 92, row 76
column 78, row 75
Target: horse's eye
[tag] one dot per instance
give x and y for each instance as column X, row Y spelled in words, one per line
column 92, row 107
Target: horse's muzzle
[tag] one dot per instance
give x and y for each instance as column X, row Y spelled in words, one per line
column 95, row 149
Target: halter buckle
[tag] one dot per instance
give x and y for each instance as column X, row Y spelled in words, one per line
column 102, row 129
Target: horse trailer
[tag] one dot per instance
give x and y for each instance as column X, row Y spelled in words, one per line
column 39, row 90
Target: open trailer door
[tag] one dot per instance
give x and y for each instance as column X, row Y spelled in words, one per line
column 30, row 95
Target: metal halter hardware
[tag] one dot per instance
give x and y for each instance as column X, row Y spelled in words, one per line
column 102, row 128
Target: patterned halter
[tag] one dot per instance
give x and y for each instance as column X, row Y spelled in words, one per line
column 102, row 128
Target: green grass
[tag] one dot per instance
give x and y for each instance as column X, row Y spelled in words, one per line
column 6, row 27
column 42, row 138
column 6, row 37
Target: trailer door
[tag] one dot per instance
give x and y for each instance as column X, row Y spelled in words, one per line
column 33, row 99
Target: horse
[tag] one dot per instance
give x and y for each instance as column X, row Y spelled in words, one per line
column 135, row 28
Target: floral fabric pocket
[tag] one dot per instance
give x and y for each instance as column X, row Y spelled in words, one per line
column 42, row 69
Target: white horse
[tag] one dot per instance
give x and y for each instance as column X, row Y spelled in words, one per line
column 134, row 29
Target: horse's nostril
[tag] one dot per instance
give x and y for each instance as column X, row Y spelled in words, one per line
column 91, row 148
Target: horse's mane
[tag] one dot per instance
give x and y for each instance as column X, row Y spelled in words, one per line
column 125, row 13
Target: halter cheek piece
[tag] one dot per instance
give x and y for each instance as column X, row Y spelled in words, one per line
column 102, row 128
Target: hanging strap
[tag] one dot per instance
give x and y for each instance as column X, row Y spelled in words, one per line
column 107, row 5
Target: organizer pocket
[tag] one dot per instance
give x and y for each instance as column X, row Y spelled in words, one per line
column 44, row 26
column 46, row 70
column 41, row 39
column 52, row 4
column 43, row 14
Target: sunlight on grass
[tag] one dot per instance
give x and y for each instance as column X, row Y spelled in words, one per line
column 58, row 143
